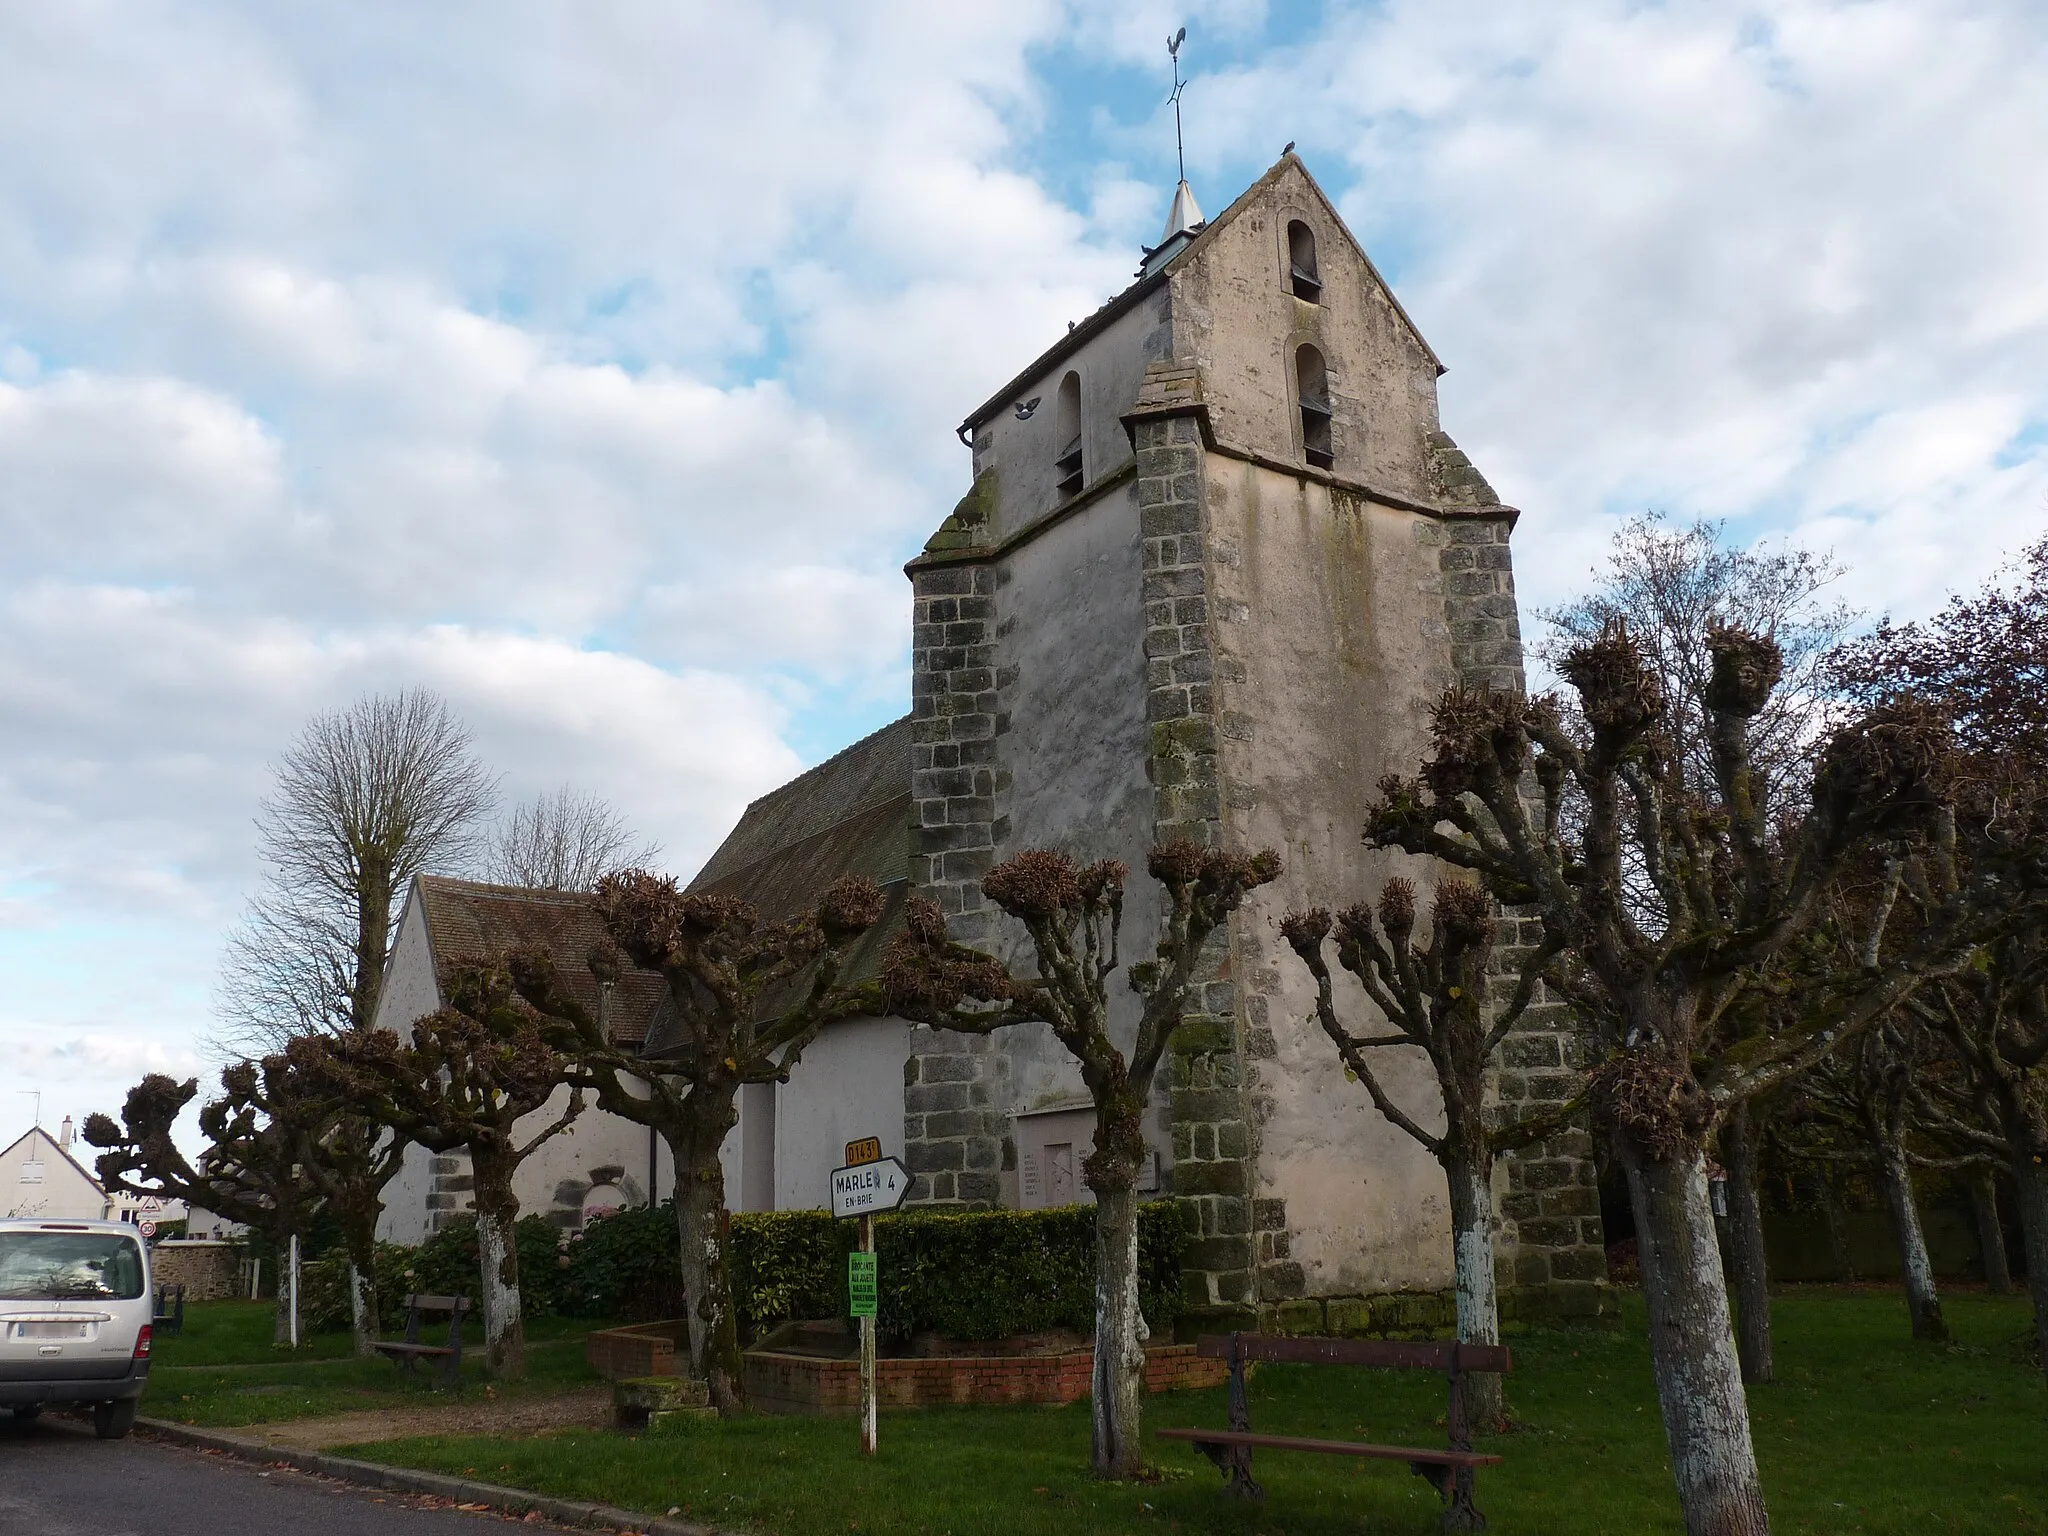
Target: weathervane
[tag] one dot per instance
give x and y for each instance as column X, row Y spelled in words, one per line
column 1173, row 52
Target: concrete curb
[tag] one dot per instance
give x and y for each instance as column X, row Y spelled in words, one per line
column 462, row 1490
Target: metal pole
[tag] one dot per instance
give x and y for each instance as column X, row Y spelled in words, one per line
column 295, row 1290
column 868, row 1409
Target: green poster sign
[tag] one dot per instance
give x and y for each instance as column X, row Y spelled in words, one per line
column 861, row 1288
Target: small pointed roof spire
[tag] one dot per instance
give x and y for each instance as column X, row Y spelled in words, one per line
column 1185, row 216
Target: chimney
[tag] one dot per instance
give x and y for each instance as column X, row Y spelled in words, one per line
column 64, row 1134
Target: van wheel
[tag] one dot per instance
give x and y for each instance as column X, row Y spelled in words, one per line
column 112, row 1421
column 28, row 1411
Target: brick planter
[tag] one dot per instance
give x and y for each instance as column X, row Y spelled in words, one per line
column 646, row 1349
column 780, row 1382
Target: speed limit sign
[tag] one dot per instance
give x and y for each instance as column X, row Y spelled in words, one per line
column 146, row 1228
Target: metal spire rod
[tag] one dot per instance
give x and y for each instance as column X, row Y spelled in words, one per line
column 1173, row 52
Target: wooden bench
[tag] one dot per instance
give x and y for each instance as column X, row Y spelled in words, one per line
column 1450, row 1472
column 163, row 1319
column 408, row 1353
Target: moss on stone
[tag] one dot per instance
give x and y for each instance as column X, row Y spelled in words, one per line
column 971, row 519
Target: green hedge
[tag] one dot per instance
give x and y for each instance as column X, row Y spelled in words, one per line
column 976, row 1275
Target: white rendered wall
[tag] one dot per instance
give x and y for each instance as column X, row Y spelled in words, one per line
column 848, row 1085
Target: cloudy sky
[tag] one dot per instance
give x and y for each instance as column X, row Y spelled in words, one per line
column 597, row 365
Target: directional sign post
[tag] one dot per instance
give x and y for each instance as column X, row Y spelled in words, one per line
column 870, row 1189
column 869, row 1184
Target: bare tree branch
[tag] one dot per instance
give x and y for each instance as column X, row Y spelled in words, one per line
column 564, row 841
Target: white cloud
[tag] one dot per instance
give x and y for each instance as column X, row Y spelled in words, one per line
column 1775, row 262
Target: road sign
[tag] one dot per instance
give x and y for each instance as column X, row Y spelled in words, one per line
column 867, row 1150
column 146, row 1228
column 862, row 1291
column 869, row 1189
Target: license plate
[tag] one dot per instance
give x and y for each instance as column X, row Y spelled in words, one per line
column 53, row 1330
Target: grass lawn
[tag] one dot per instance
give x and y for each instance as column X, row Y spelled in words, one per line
column 1866, row 1432
column 224, row 1371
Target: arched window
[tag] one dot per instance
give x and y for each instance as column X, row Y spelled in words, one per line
column 1312, row 389
column 1302, row 273
column 1066, row 420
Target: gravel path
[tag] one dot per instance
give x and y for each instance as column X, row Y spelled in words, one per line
column 584, row 1408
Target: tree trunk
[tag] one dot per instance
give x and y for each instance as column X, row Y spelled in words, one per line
column 362, row 1286
column 1746, row 1257
column 497, row 1212
column 281, row 1316
column 1120, row 1334
column 1692, row 1347
column 1923, row 1300
column 1471, row 1184
column 2032, row 1178
column 1836, row 1221
column 373, row 928
column 715, row 1356
column 1983, row 1182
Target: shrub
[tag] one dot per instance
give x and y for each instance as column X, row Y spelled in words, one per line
column 789, row 1264
column 446, row 1264
column 987, row 1274
column 626, row 1265
column 974, row 1275
column 324, row 1304
column 971, row 1275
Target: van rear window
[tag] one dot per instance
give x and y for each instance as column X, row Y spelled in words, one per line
column 69, row 1266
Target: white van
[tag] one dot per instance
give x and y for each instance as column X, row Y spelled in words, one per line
column 74, row 1319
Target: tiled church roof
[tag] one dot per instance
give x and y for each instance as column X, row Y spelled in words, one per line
column 848, row 816
column 465, row 919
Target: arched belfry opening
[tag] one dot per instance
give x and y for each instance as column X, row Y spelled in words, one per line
column 1303, row 276
column 1066, row 420
column 1312, row 391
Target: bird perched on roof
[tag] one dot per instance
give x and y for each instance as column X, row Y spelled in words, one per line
column 1289, row 149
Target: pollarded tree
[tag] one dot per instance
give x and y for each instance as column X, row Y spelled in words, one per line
column 1984, row 660
column 466, row 1078
column 1867, row 1094
column 1672, row 586
column 251, row 1170
column 1434, row 998
column 1995, row 1020
column 1073, row 915
column 1736, row 882
column 348, row 1158
column 747, row 998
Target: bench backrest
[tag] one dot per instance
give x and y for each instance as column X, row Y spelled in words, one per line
column 1447, row 1356
column 417, row 1302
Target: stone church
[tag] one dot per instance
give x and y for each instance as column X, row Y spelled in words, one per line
column 1218, row 559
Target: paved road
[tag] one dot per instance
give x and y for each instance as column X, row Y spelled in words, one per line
column 57, row 1480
